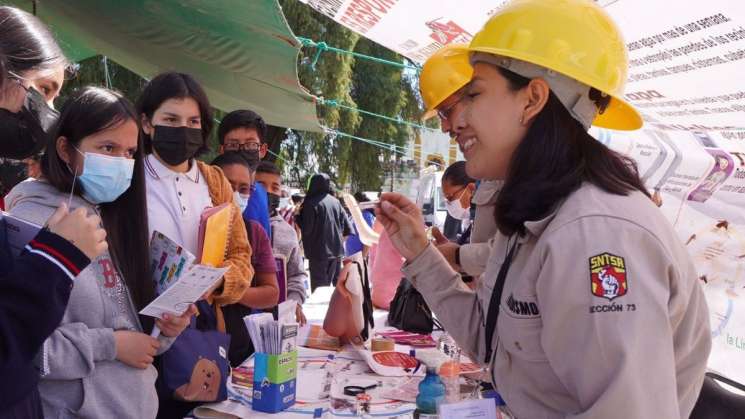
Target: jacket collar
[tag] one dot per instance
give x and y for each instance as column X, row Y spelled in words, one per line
column 158, row 170
column 536, row 228
column 487, row 192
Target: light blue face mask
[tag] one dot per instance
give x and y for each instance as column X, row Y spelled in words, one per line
column 241, row 200
column 105, row 178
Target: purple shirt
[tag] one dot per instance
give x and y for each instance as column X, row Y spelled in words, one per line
column 262, row 257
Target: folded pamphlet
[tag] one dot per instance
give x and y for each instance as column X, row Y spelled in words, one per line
column 178, row 281
column 168, row 261
column 190, row 287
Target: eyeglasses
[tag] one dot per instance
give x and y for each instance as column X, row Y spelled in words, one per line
column 243, row 147
column 445, row 112
column 456, row 195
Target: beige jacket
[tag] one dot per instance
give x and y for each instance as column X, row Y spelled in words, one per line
column 602, row 315
column 473, row 255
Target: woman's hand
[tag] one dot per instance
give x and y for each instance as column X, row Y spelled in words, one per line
column 448, row 251
column 439, row 238
column 172, row 326
column 404, row 224
column 135, row 349
column 80, row 229
column 300, row 316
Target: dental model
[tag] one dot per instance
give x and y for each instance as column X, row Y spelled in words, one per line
column 368, row 237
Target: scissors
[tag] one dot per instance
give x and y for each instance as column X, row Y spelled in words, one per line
column 355, row 390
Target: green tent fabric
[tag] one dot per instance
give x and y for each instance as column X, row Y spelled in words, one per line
column 243, row 52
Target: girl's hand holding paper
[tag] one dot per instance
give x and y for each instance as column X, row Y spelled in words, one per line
column 172, row 326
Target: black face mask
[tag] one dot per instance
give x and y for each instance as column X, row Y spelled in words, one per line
column 26, row 133
column 176, row 145
column 273, row 203
column 252, row 157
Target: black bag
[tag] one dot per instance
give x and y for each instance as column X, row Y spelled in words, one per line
column 716, row 402
column 409, row 311
column 367, row 305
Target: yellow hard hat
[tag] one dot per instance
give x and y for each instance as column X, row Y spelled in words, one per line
column 576, row 38
column 444, row 72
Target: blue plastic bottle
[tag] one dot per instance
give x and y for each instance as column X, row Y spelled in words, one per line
column 431, row 393
column 504, row 411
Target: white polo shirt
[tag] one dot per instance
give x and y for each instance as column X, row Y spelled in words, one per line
column 175, row 202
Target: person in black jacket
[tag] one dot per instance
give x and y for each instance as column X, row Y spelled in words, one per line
column 35, row 287
column 323, row 226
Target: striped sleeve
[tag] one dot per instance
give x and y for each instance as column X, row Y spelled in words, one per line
column 58, row 251
column 35, row 289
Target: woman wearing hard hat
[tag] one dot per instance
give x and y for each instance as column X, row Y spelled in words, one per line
column 589, row 305
column 442, row 83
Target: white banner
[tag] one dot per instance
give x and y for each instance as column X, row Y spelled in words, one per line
column 698, row 179
column 686, row 72
column 686, row 63
column 686, row 77
column 412, row 28
column 687, row 59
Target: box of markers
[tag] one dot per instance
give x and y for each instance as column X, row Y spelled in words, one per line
column 274, row 384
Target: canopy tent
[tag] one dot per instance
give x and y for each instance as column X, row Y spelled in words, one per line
column 687, row 63
column 243, row 52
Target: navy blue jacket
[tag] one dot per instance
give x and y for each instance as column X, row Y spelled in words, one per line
column 34, row 290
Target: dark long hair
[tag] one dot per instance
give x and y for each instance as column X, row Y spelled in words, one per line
column 172, row 85
column 26, row 44
column 92, row 110
column 553, row 160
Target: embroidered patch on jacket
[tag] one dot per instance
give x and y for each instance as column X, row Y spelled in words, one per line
column 522, row 308
column 608, row 276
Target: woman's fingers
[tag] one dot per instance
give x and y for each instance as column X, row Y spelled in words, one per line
column 397, row 213
column 147, row 361
column 440, row 238
column 173, row 325
column 403, row 203
column 394, row 197
column 166, row 328
column 382, row 218
column 392, row 212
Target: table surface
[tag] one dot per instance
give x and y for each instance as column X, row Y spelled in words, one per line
column 311, row 376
